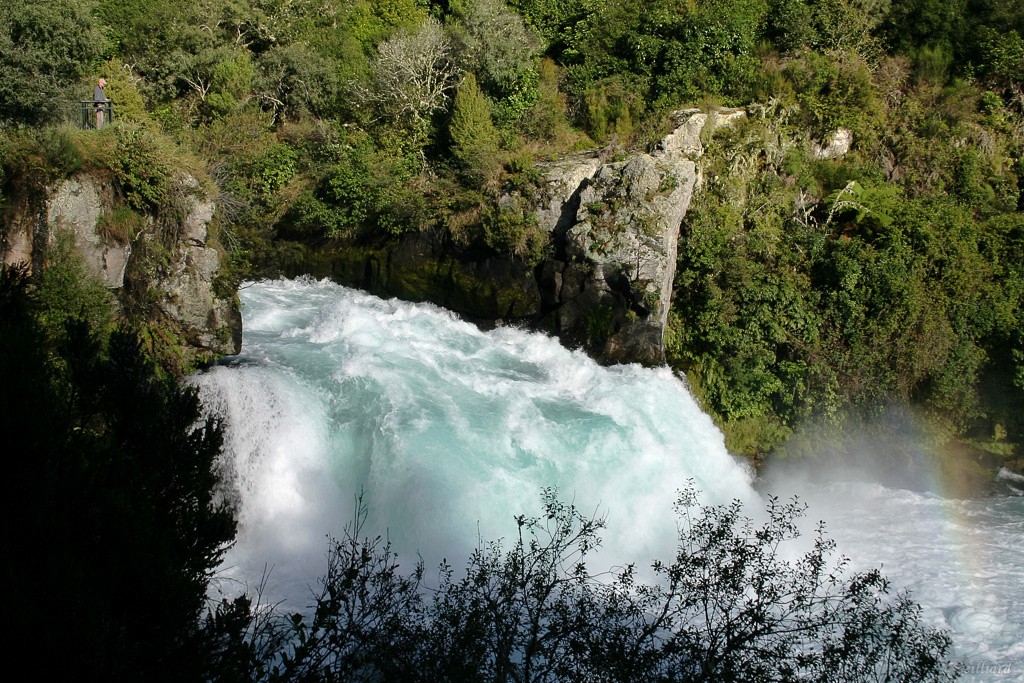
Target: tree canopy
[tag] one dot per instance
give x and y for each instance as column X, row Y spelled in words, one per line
column 46, row 46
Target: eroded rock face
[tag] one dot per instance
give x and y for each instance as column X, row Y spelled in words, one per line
column 624, row 241
column 182, row 270
column 211, row 324
column 17, row 242
column 685, row 139
column 76, row 207
column 609, row 286
column 614, row 229
column 560, row 188
column 836, row 145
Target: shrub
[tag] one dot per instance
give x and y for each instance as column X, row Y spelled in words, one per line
column 143, row 169
column 44, row 47
column 475, row 140
column 834, row 91
column 67, row 292
column 728, row 607
column 547, row 119
column 513, row 230
column 500, row 49
column 609, row 107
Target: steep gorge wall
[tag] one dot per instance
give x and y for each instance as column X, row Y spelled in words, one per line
column 604, row 286
column 163, row 274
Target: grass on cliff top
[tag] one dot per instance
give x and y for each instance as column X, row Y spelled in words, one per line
column 143, row 160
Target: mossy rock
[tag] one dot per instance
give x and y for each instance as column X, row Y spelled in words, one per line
column 483, row 289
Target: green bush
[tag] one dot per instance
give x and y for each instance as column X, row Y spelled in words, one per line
column 475, row 140
column 68, row 293
column 231, row 83
column 121, row 224
column 129, row 105
column 362, row 191
column 37, row 157
column 547, row 119
column 833, row 92
column 143, row 165
column 533, row 610
column 610, row 108
column 830, row 291
column 46, row 46
column 500, row 50
column 513, row 230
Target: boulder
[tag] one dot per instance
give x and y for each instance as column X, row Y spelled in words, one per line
column 836, row 145
column 684, row 140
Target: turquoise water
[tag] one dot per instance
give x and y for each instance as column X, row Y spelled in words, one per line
column 449, row 432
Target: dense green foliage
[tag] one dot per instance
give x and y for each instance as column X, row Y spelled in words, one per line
column 813, row 288
column 726, row 607
column 809, row 289
column 45, row 47
column 474, row 137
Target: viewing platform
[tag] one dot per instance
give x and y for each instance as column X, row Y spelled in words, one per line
column 95, row 114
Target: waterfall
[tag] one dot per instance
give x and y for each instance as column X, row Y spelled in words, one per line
column 448, row 432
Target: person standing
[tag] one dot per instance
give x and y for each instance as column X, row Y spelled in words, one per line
column 99, row 98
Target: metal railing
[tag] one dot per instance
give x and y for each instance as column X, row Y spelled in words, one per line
column 94, row 114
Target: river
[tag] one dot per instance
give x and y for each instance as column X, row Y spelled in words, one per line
column 447, row 432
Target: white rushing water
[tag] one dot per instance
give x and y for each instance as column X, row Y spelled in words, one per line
column 450, row 432
column 962, row 560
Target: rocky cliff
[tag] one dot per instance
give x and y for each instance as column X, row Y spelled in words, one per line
column 162, row 269
column 615, row 227
column 606, row 282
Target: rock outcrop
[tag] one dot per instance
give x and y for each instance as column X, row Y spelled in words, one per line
column 209, row 323
column 615, row 227
column 163, row 273
column 76, row 206
column 612, row 287
column 836, row 145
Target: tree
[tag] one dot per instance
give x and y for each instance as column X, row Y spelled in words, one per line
column 368, row 618
column 501, row 50
column 727, row 607
column 1004, row 53
column 113, row 521
column 730, row 608
column 851, row 26
column 413, row 75
column 914, row 24
column 297, row 81
column 475, row 140
column 46, row 46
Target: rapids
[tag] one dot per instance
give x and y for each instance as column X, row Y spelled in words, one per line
column 448, row 432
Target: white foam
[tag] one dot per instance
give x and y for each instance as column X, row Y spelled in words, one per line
column 451, row 432
column 961, row 560
column 1007, row 475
